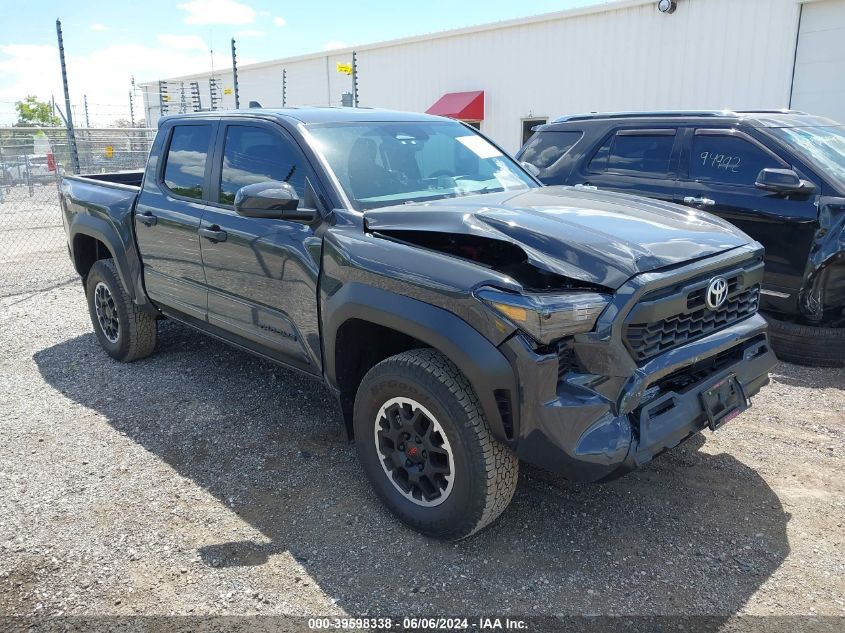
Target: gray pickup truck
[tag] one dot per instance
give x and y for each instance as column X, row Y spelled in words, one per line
column 465, row 316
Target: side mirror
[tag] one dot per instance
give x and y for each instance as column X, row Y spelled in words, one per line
column 272, row 200
column 783, row 181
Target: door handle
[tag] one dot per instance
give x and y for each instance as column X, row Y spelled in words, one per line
column 699, row 202
column 213, row 233
column 148, row 219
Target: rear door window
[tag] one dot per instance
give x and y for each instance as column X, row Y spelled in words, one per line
column 184, row 171
column 728, row 159
column 545, row 149
column 636, row 153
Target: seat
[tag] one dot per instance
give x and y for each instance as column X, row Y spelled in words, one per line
column 367, row 178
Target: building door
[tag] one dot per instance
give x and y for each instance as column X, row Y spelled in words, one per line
column 528, row 126
column 820, row 60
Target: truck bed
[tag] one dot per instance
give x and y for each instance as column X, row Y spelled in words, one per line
column 128, row 178
column 99, row 207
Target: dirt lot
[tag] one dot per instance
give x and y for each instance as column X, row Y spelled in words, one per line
column 204, row 481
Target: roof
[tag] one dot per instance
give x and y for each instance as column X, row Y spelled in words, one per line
column 315, row 114
column 755, row 118
column 604, row 7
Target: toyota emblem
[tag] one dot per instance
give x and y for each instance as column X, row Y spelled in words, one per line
column 717, row 292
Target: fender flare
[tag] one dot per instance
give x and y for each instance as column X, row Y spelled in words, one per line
column 483, row 364
column 104, row 232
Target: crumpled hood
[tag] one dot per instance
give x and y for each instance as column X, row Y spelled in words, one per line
column 593, row 236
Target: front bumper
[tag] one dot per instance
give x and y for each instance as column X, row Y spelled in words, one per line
column 613, row 414
column 569, row 426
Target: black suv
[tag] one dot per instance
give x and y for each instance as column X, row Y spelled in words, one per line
column 777, row 175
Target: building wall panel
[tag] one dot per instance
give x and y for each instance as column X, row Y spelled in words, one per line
column 820, row 62
column 709, row 54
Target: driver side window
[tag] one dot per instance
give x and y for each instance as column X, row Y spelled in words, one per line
column 728, row 160
column 254, row 154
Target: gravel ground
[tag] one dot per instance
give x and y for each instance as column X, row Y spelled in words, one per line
column 204, row 481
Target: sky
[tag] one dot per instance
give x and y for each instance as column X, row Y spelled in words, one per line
column 108, row 41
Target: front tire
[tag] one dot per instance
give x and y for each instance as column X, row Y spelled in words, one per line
column 123, row 330
column 810, row 345
column 426, row 448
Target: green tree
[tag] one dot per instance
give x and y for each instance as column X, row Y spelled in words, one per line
column 32, row 112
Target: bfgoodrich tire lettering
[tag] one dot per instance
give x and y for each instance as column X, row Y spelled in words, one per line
column 483, row 471
column 124, row 331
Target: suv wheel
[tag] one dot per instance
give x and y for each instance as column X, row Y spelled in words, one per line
column 426, row 448
column 811, row 345
column 124, row 331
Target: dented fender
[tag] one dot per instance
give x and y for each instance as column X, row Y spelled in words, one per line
column 824, row 279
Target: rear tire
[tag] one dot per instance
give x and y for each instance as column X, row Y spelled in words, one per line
column 474, row 476
column 123, row 330
column 806, row 344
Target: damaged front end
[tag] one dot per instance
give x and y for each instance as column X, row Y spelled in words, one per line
column 599, row 404
column 610, row 342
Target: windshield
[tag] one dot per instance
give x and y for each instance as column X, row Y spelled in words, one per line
column 824, row 147
column 381, row 164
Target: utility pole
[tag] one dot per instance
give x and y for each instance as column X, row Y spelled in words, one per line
column 132, row 101
column 183, row 107
column 284, row 88
column 71, row 137
column 354, row 79
column 85, row 99
column 235, row 75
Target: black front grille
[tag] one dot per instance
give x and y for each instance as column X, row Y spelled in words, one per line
column 677, row 316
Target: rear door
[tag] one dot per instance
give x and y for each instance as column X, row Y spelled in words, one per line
column 719, row 169
column 168, row 215
column 638, row 161
column 261, row 273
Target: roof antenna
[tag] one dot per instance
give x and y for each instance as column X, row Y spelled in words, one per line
column 255, row 104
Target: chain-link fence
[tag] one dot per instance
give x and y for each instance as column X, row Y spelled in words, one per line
column 33, row 251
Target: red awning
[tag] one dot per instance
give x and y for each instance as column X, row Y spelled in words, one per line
column 466, row 106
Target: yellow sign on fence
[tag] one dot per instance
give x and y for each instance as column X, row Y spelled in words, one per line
column 344, row 68
column 109, row 151
column 227, row 91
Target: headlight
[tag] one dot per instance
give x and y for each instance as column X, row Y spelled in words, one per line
column 547, row 317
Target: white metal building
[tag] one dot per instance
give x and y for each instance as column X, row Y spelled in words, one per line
column 707, row 54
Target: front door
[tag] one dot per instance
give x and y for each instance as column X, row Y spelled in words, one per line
column 261, row 273
column 167, row 218
column 721, row 168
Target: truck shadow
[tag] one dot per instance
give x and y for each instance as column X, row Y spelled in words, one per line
column 692, row 533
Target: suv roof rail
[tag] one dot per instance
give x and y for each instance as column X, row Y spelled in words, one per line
column 666, row 113
column 784, row 111
column 643, row 114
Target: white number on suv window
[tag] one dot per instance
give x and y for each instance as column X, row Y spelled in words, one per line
column 721, row 161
